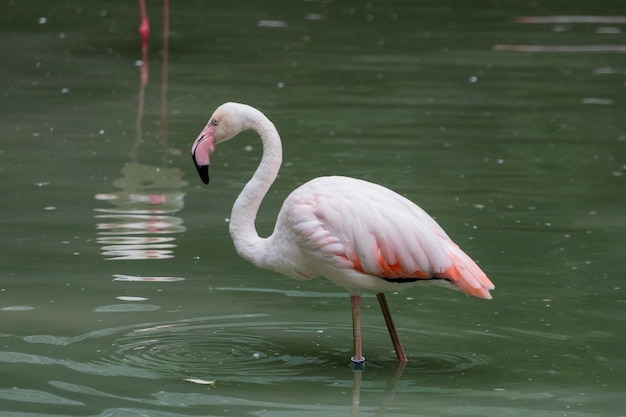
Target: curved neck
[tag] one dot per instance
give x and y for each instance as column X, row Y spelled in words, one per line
column 242, row 220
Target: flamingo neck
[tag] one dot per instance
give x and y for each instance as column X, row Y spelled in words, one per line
column 243, row 231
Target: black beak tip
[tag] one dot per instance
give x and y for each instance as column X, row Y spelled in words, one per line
column 203, row 171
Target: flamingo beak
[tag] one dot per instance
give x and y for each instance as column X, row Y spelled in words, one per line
column 201, row 152
column 203, row 171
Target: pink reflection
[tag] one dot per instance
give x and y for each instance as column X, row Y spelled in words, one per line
column 133, row 240
column 125, row 224
column 136, row 253
column 147, row 196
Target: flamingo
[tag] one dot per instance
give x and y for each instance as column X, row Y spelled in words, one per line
column 362, row 236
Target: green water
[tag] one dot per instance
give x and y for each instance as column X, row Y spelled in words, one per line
column 121, row 293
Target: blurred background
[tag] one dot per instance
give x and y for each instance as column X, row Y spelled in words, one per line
column 121, row 293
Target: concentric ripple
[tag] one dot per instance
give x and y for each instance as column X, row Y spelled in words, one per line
column 243, row 348
column 231, row 348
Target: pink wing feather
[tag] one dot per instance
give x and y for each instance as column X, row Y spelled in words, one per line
column 378, row 232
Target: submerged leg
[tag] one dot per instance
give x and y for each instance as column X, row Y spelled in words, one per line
column 392, row 329
column 358, row 358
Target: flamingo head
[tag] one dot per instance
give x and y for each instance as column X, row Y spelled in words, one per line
column 227, row 121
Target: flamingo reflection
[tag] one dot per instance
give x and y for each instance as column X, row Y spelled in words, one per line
column 139, row 221
column 388, row 394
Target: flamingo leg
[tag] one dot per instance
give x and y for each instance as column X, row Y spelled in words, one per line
column 144, row 27
column 382, row 300
column 358, row 358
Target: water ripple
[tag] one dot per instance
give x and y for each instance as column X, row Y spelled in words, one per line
column 123, row 308
column 225, row 348
column 35, row 396
column 444, row 362
column 207, row 350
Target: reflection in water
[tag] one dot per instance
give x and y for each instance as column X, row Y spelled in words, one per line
column 560, row 22
column 140, row 222
column 134, row 278
column 388, row 393
column 142, row 213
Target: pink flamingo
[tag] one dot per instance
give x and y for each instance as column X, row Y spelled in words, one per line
column 362, row 236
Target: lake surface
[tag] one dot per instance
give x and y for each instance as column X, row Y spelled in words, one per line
column 121, row 293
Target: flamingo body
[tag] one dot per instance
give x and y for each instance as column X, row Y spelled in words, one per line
column 362, row 236
column 366, row 238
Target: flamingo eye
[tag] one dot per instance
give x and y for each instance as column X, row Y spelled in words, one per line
column 214, row 122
